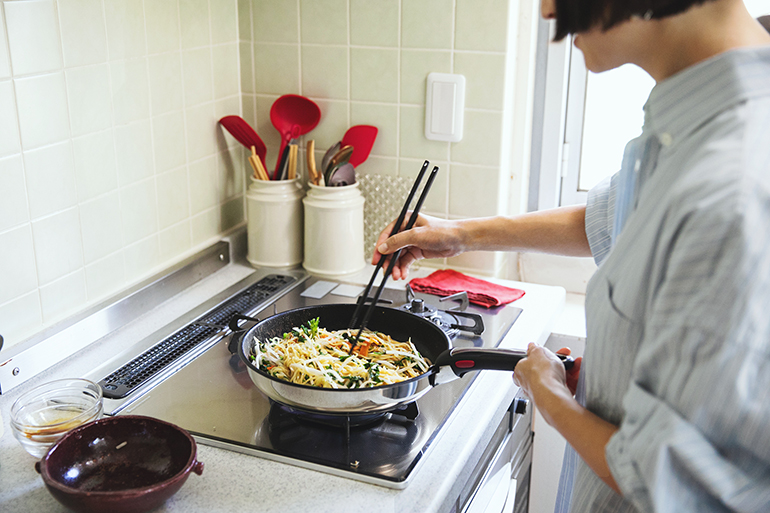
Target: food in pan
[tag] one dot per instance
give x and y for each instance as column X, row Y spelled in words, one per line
column 311, row 355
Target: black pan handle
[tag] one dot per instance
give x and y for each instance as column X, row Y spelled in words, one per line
column 462, row 361
column 237, row 332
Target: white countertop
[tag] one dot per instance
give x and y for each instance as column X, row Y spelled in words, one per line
column 233, row 482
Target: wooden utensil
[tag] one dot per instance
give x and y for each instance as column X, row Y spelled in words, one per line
column 293, row 161
column 256, row 163
column 311, row 169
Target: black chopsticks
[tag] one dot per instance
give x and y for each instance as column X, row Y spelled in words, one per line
column 360, row 326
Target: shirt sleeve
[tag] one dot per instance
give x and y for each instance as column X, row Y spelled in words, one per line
column 600, row 214
column 694, row 435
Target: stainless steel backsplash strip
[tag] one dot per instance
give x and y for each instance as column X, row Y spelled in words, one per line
column 50, row 346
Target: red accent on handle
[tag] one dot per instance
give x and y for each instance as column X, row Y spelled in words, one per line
column 465, row 364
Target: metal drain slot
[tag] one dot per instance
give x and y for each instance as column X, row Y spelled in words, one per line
column 144, row 367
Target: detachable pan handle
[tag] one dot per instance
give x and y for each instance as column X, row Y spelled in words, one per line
column 237, row 332
column 462, row 361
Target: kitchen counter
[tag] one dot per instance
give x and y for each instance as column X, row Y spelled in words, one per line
column 234, row 482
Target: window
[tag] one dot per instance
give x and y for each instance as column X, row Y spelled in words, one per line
column 582, row 120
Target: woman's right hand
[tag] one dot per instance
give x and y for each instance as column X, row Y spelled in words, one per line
column 430, row 237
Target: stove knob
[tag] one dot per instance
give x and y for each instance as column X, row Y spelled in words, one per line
column 417, row 306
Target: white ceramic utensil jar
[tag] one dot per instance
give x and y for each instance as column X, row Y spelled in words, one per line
column 274, row 209
column 334, row 230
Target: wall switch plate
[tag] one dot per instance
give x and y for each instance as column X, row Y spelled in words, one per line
column 444, row 107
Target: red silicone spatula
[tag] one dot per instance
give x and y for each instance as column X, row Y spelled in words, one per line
column 244, row 134
column 361, row 138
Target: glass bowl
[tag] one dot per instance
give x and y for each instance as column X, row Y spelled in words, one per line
column 44, row 414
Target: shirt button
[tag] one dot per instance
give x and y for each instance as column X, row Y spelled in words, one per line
column 666, row 139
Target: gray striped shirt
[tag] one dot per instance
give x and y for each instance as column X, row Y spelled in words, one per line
column 678, row 313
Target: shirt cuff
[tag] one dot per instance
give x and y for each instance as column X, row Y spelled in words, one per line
column 600, row 213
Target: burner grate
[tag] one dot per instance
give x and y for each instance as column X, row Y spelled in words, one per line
column 141, row 369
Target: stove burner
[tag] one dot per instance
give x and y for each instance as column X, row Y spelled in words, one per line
column 384, row 445
column 447, row 320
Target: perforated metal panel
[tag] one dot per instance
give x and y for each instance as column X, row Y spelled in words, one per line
column 141, row 369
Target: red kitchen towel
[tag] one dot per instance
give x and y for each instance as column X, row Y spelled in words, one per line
column 480, row 292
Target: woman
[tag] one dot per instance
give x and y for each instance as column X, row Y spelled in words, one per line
column 671, row 411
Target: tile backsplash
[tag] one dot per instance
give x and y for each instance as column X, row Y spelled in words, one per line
column 112, row 165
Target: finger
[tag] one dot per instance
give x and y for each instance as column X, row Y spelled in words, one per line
column 565, row 351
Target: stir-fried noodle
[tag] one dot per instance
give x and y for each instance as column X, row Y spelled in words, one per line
column 310, row 355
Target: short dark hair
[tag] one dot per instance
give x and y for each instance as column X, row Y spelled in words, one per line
column 573, row 16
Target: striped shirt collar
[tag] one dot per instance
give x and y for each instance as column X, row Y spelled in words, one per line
column 678, row 105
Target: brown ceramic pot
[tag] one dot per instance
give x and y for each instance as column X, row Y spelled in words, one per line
column 124, row 464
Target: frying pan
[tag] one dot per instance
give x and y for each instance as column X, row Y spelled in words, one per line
column 429, row 339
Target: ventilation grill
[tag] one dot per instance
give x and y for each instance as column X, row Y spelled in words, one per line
column 141, row 369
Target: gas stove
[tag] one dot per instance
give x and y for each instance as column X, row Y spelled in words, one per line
column 187, row 376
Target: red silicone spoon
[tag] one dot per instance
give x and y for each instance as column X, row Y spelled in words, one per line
column 361, row 138
column 293, row 115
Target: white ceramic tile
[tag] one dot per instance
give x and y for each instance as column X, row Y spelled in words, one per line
column 42, row 104
column 385, row 118
column 141, row 259
column 231, row 214
column 205, row 226
column 374, row 23
column 62, row 297
column 201, row 125
column 244, row 20
column 203, row 185
column 374, row 75
column 224, row 21
column 5, row 59
column 96, row 171
column 83, row 33
column 324, row 21
column 412, row 141
column 482, row 24
column 139, row 210
column 231, row 174
column 275, row 21
column 90, row 98
column 125, row 28
column 226, row 79
column 415, row 67
column 473, row 191
column 17, row 267
column 484, row 79
column 196, row 75
column 276, row 69
column 166, row 82
column 480, row 262
column 133, row 148
column 13, row 193
column 175, row 240
column 168, row 141
column 33, row 36
column 58, row 245
column 246, row 63
column 100, row 225
column 335, row 119
column 174, row 197
column 20, row 318
column 427, row 24
column 477, row 147
column 50, row 175
column 9, row 125
column 130, row 90
column 325, row 72
column 106, row 276
column 162, row 22
column 194, row 18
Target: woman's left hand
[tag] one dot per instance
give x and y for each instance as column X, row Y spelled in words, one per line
column 539, row 372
